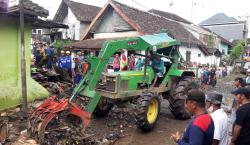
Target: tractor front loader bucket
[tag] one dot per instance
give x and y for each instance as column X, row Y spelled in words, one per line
column 55, row 115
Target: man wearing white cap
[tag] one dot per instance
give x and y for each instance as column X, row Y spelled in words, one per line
column 220, row 119
column 62, row 61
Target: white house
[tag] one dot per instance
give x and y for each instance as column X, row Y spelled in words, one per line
column 77, row 16
column 213, row 42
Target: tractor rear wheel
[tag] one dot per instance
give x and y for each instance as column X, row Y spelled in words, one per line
column 148, row 111
column 178, row 96
column 103, row 108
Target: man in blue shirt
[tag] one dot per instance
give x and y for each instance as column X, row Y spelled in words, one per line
column 200, row 130
column 138, row 64
column 62, row 61
column 158, row 66
column 205, row 78
column 50, row 54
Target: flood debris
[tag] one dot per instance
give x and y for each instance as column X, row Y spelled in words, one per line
column 51, row 80
column 3, row 129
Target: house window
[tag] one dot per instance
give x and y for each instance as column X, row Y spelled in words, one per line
column 39, row 31
column 33, row 31
column 199, row 55
column 188, row 56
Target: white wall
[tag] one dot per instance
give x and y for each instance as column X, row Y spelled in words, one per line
column 195, row 51
column 73, row 32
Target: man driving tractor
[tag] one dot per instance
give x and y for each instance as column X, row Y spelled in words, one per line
column 158, row 66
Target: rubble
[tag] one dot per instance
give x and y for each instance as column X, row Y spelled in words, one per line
column 51, row 80
column 3, row 130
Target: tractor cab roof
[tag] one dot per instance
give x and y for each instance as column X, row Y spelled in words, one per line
column 161, row 40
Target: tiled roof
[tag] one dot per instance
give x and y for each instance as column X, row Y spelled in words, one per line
column 87, row 44
column 82, row 12
column 30, row 8
column 219, row 19
column 150, row 23
column 38, row 24
column 169, row 16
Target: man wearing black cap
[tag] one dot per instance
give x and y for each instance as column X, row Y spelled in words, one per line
column 200, row 130
column 238, row 82
column 220, row 119
column 241, row 130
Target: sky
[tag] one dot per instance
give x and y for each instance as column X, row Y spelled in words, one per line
column 192, row 10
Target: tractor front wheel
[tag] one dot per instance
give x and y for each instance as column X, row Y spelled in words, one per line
column 148, row 111
column 178, row 96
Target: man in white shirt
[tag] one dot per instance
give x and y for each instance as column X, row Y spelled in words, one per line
column 248, row 77
column 220, row 118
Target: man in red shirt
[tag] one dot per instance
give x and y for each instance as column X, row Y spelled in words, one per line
column 200, row 130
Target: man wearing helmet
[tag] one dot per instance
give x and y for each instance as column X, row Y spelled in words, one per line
column 62, row 62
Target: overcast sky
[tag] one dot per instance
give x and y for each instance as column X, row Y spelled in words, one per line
column 196, row 12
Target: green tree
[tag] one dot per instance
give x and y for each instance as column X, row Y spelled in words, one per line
column 60, row 43
column 237, row 51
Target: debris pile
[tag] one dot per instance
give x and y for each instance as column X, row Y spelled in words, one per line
column 54, row 82
column 12, row 125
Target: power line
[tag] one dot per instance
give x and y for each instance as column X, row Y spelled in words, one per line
column 140, row 5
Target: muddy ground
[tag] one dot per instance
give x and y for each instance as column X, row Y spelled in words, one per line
column 118, row 127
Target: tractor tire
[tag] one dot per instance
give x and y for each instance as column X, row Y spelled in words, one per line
column 178, row 96
column 148, row 111
column 103, row 108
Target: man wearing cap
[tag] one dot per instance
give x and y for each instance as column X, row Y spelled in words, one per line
column 241, row 130
column 238, row 82
column 220, row 119
column 200, row 130
column 62, row 61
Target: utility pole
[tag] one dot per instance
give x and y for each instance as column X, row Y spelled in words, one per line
column 191, row 19
column 246, row 30
column 24, row 107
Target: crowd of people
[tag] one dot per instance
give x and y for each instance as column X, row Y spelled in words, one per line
column 121, row 63
column 208, row 76
column 76, row 67
column 210, row 122
column 74, row 64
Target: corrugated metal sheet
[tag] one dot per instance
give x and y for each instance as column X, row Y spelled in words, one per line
column 157, row 39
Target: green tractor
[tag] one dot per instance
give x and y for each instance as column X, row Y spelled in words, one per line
column 143, row 90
